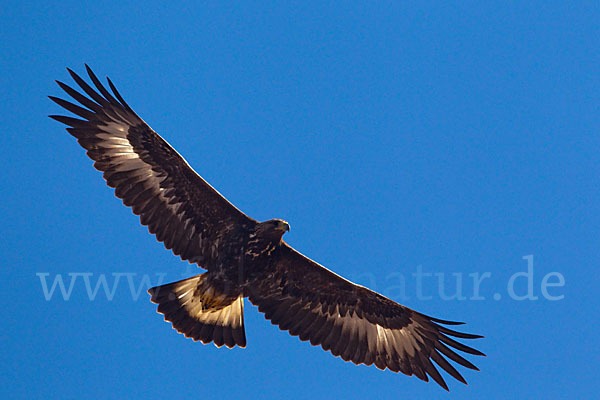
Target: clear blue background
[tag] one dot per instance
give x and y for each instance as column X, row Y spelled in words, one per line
column 456, row 137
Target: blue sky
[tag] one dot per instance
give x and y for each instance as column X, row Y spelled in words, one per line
column 398, row 139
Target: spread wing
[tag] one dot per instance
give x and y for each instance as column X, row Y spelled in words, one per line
column 355, row 323
column 176, row 204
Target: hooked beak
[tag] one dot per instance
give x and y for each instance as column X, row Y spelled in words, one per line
column 285, row 227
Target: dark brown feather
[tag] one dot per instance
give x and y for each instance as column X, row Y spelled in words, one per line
column 152, row 167
column 294, row 292
column 312, row 302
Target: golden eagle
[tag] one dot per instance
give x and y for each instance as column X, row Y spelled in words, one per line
column 244, row 257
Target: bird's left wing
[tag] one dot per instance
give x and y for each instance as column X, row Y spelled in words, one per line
column 355, row 323
column 176, row 204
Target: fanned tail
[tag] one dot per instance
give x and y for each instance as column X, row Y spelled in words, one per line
column 201, row 311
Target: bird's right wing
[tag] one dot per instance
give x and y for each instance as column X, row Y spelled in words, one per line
column 176, row 204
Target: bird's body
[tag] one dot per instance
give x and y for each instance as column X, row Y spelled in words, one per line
column 244, row 257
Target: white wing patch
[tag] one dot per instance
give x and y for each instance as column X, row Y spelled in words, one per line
column 381, row 341
column 118, row 151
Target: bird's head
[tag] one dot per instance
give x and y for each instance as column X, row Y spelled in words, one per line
column 272, row 229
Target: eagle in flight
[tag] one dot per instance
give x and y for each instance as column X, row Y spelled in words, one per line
column 244, row 257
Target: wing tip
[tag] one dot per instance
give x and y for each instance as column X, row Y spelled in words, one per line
column 72, row 73
column 89, row 71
